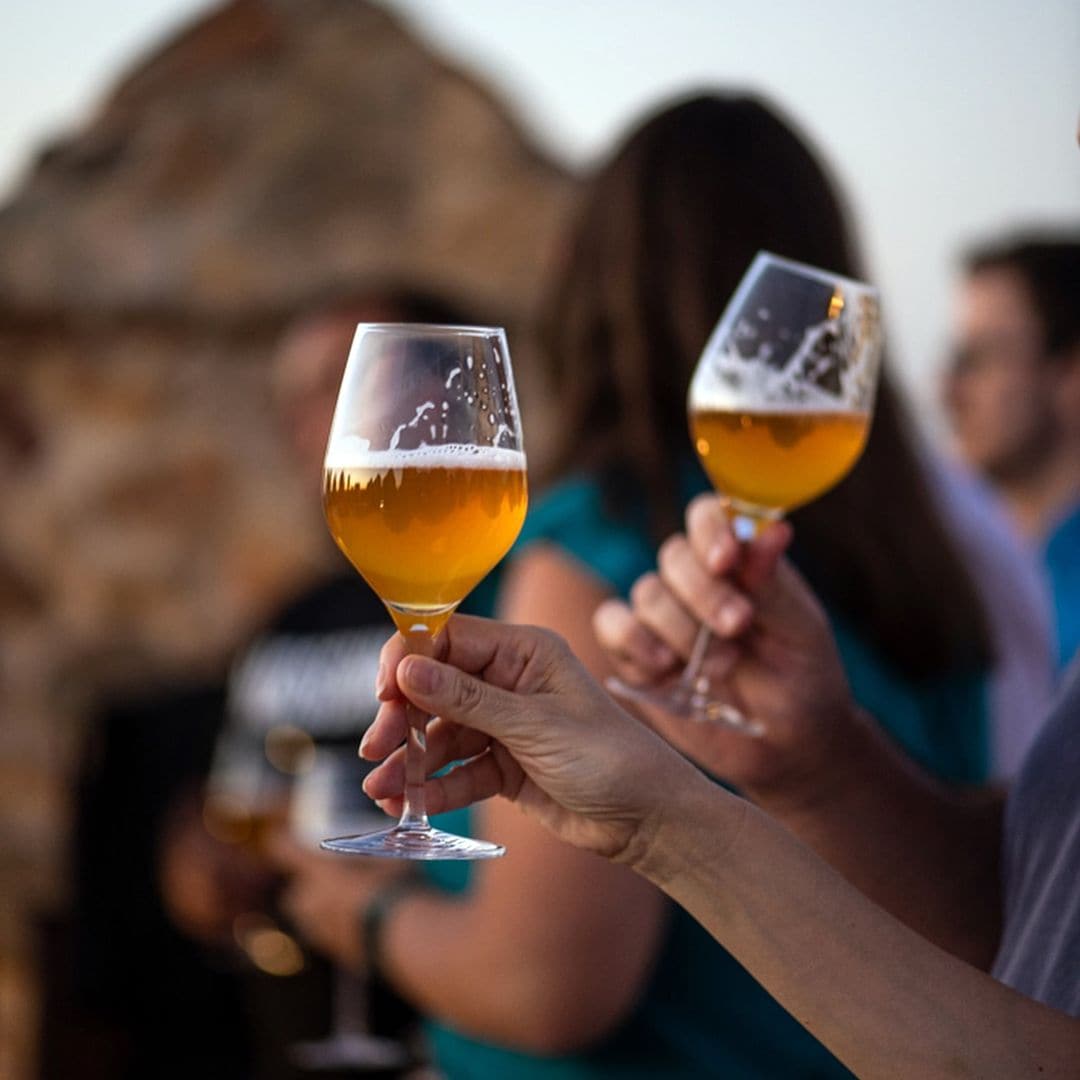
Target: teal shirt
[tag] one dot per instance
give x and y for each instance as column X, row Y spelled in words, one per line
column 701, row 1014
column 1061, row 559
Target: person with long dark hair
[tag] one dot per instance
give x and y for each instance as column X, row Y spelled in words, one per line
column 552, row 962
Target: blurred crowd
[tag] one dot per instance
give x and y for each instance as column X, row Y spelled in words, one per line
column 202, row 932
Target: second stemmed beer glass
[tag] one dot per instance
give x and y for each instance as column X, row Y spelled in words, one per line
column 424, row 491
column 327, row 796
column 779, row 409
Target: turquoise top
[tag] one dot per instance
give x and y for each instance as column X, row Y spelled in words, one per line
column 701, row 1014
column 1061, row 557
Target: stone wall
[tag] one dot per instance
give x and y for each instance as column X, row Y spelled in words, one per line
column 148, row 262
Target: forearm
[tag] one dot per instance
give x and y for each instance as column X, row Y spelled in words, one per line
column 432, row 955
column 886, row 1001
column 926, row 853
column 480, row 973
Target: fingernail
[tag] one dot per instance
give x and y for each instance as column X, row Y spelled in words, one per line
column 363, row 743
column 732, row 615
column 380, row 680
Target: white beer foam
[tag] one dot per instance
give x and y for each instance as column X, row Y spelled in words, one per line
column 727, row 381
column 721, row 400
column 353, row 453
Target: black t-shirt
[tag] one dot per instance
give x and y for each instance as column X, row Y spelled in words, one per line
column 172, row 1008
column 314, row 667
column 308, row 681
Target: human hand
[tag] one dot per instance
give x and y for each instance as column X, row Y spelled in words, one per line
column 206, row 883
column 772, row 655
column 528, row 722
column 325, row 896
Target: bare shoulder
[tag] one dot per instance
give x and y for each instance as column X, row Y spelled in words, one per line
column 545, row 586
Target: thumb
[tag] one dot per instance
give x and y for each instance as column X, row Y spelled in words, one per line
column 443, row 690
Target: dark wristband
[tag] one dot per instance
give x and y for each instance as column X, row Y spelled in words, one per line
column 375, row 913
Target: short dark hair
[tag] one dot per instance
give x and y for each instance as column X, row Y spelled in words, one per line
column 408, row 302
column 1050, row 268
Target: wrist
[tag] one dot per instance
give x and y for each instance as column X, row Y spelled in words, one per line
column 697, row 821
column 826, row 776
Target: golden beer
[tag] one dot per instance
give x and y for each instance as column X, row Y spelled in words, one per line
column 246, row 823
column 423, row 527
column 777, row 460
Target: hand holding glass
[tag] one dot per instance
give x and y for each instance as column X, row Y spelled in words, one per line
column 424, row 491
column 779, row 407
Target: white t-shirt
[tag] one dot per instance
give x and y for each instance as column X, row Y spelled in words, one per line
column 1040, row 945
column 1017, row 606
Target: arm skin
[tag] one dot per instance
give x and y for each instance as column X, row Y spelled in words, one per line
column 553, row 945
column 926, row 852
column 886, row 1001
column 538, row 731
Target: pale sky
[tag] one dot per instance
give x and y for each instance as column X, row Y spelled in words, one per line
column 943, row 119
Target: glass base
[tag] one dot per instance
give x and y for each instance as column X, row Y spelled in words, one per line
column 350, row 1050
column 414, row 843
column 691, row 702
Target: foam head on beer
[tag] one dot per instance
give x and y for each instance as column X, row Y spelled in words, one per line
column 424, row 484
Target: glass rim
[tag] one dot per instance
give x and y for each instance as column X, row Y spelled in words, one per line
column 449, row 329
column 820, row 273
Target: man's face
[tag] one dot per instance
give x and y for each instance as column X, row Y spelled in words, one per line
column 999, row 390
column 307, row 374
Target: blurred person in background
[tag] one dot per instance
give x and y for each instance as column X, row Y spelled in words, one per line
column 298, row 698
column 553, row 962
column 1012, row 395
column 1012, row 595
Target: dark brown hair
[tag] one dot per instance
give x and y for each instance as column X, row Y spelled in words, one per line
column 402, row 301
column 1050, row 269
column 666, row 229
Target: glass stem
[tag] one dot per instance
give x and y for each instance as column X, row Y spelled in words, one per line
column 692, row 680
column 350, row 1005
column 414, row 812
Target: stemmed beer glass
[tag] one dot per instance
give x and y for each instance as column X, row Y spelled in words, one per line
column 424, row 491
column 327, row 795
column 779, row 408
